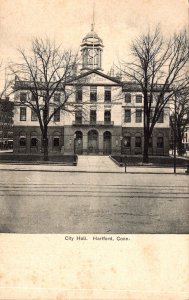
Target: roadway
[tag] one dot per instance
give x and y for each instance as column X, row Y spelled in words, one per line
column 35, row 201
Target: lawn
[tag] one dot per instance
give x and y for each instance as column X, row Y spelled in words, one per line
column 156, row 161
column 68, row 160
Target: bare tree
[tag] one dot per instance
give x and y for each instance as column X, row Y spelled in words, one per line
column 6, row 87
column 179, row 119
column 43, row 72
column 157, row 65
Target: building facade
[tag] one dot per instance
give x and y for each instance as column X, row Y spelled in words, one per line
column 6, row 124
column 108, row 120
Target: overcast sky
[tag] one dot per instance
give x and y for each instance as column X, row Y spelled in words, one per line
column 117, row 22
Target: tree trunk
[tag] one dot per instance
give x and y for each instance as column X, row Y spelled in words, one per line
column 45, row 145
column 146, row 127
column 146, row 147
column 180, row 146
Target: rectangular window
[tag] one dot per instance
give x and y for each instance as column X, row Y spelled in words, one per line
column 33, row 116
column 107, row 117
column 93, row 94
column 160, row 142
column 127, row 116
column 78, row 117
column 93, row 116
column 161, row 117
column 56, row 142
column 107, row 95
column 23, row 97
column 138, row 115
column 138, row 142
column 57, row 115
column 57, row 97
column 127, row 98
column 22, row 113
column 138, row 98
column 79, row 95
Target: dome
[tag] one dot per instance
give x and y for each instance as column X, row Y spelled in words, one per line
column 92, row 37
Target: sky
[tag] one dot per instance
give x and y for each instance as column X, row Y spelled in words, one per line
column 117, row 22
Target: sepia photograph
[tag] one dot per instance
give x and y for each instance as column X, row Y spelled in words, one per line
column 94, row 126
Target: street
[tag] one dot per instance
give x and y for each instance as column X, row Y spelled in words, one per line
column 107, row 203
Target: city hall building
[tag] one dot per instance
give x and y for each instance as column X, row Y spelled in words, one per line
column 108, row 120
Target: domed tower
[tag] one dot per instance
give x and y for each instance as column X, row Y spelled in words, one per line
column 91, row 50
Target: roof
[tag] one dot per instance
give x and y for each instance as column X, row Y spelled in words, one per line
column 96, row 72
column 92, row 38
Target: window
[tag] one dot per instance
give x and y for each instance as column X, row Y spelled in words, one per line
column 138, row 115
column 56, row 115
column 23, row 97
column 56, row 142
column 160, row 142
column 22, row 113
column 127, row 116
column 138, row 142
column 107, row 116
column 93, row 94
column 78, row 117
column 22, row 141
column 79, row 95
column 33, row 116
column 33, row 142
column 128, row 98
column 57, row 97
column 93, row 116
column 107, row 94
column 161, row 117
column 138, row 98
column 127, row 141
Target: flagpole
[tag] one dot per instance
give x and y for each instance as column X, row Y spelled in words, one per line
column 93, row 24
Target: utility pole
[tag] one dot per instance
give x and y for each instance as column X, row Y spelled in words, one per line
column 175, row 134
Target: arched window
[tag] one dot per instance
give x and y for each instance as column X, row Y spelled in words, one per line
column 138, row 141
column 56, row 139
column 33, row 140
column 22, row 139
column 160, row 142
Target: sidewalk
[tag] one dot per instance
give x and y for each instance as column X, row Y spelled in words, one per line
column 90, row 164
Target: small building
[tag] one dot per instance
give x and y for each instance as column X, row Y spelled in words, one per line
column 108, row 120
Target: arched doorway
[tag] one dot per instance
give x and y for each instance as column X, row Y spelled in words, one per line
column 78, row 142
column 92, row 142
column 107, row 142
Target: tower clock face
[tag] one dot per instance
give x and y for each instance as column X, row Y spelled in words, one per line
column 92, row 52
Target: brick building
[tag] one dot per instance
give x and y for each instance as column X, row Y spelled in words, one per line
column 109, row 117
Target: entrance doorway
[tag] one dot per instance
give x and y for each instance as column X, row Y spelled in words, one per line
column 107, row 143
column 79, row 142
column 92, row 142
